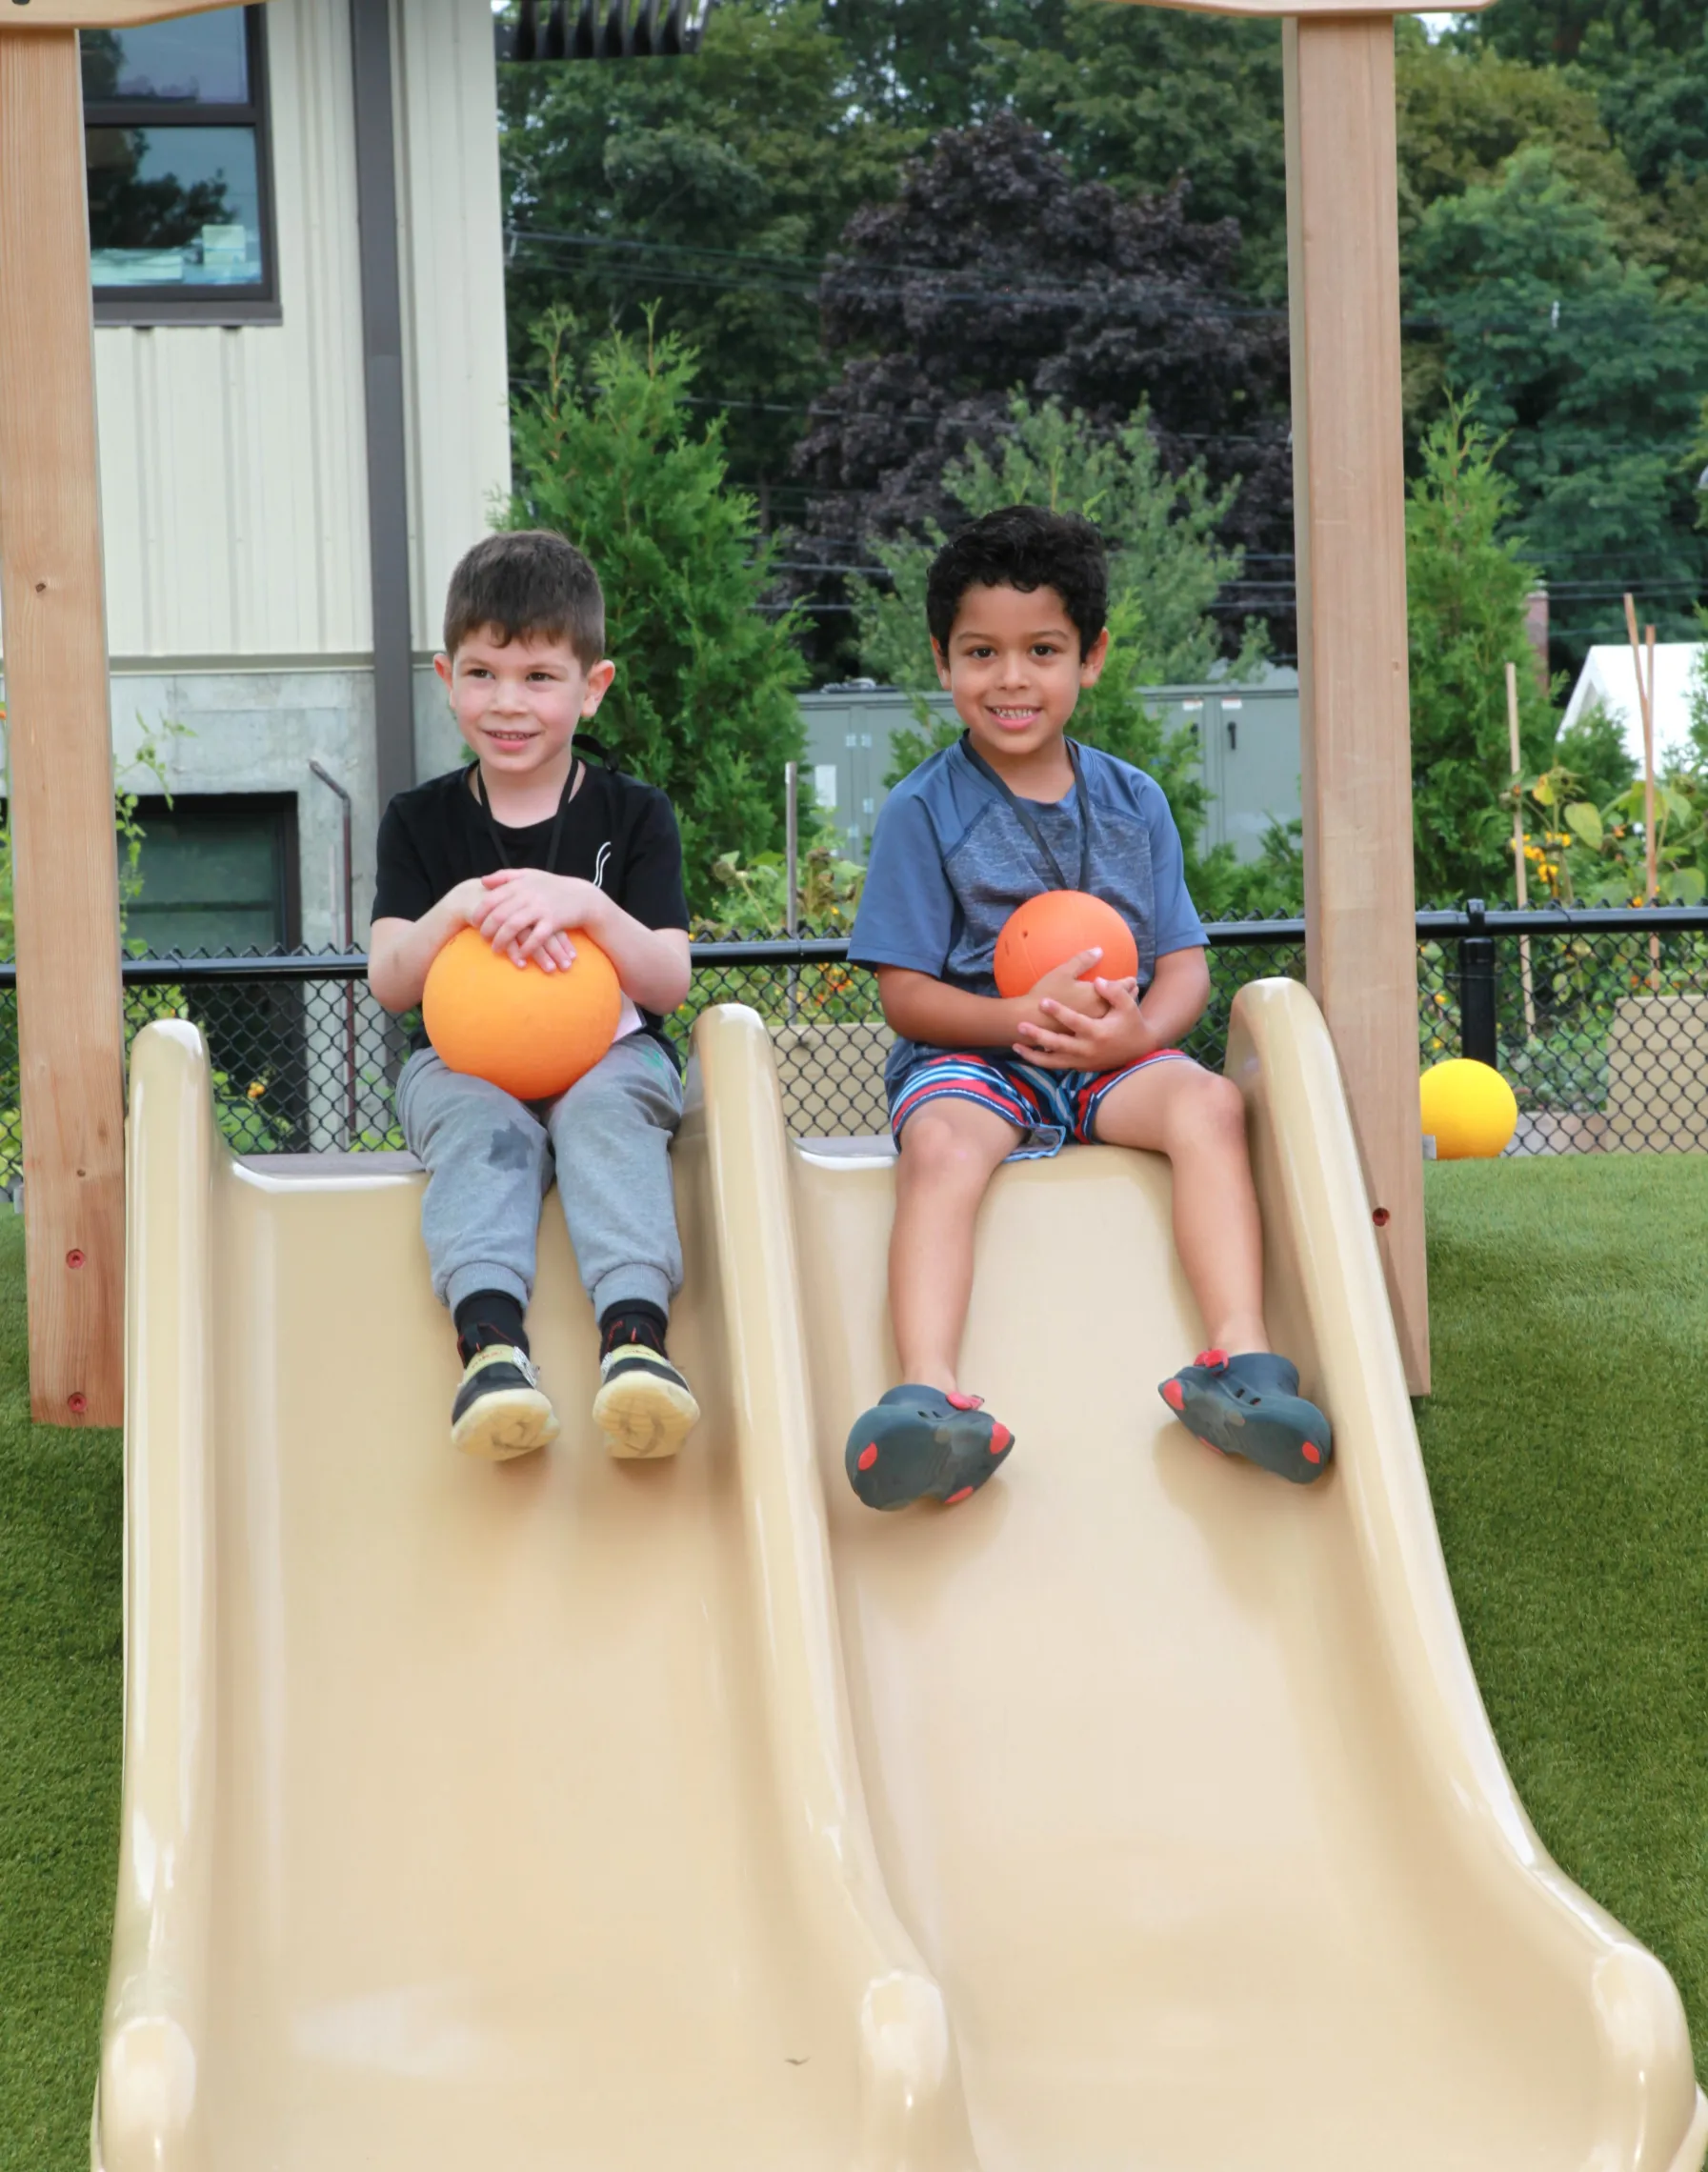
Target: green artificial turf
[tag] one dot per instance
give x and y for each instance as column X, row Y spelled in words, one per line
column 60, row 1519
column 1567, row 1453
column 1567, row 1447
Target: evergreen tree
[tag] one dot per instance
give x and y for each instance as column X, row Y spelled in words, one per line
column 1465, row 598
column 703, row 703
column 1166, row 571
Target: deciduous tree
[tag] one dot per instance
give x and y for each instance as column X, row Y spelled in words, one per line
column 995, row 272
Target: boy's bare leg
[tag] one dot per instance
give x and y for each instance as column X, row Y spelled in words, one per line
column 1198, row 1118
column 950, row 1151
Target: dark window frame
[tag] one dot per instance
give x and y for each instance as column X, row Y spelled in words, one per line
column 281, row 807
column 210, row 304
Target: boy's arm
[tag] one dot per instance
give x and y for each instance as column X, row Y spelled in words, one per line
column 1128, row 1029
column 399, row 951
column 921, row 1009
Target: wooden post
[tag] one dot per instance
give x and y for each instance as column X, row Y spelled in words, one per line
column 1349, row 492
column 1645, row 702
column 65, row 865
column 1520, row 875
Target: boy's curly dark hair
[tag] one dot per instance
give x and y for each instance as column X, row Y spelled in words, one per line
column 527, row 583
column 1022, row 547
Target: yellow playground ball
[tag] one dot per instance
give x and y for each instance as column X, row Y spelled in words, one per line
column 1468, row 1109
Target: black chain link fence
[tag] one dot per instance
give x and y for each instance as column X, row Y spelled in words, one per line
column 1599, row 1020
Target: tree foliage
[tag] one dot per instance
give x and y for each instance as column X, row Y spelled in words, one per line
column 708, row 188
column 703, row 703
column 993, row 272
column 1142, row 97
column 1465, row 109
column 1465, row 596
column 1591, row 373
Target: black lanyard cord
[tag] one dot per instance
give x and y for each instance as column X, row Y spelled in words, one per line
column 557, row 820
column 1029, row 821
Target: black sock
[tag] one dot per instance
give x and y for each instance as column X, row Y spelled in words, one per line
column 632, row 1319
column 489, row 1316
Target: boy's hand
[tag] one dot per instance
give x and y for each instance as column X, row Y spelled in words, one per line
column 471, row 901
column 1072, row 1041
column 525, row 911
column 1065, row 989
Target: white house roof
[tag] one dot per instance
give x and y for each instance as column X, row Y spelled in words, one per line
column 1609, row 678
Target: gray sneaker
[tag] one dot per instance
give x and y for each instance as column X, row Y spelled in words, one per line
column 644, row 1406
column 501, row 1410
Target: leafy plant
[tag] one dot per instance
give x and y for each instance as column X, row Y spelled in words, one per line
column 1585, row 855
column 753, row 898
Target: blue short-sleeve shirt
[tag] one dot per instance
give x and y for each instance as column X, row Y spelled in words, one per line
column 950, row 859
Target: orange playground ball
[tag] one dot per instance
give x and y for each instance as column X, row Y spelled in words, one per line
column 532, row 1032
column 1055, row 926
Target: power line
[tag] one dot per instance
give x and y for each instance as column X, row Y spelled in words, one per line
column 885, row 275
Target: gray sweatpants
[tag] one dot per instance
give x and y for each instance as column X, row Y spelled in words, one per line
column 490, row 1158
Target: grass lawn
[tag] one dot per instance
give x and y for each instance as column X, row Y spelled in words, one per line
column 1568, row 1456
column 1570, row 1471
column 61, row 1504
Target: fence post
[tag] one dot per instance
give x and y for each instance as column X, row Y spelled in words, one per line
column 1476, row 987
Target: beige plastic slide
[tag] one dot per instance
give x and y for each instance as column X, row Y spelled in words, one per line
column 1139, row 1813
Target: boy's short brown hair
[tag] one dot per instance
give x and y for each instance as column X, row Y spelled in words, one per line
column 527, row 584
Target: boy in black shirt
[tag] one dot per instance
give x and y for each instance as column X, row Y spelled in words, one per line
column 530, row 843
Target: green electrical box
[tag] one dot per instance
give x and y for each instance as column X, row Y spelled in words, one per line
column 1247, row 737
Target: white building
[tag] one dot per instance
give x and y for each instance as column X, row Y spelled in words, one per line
column 303, row 409
column 1608, row 681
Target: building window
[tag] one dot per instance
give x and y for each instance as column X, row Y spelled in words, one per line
column 218, row 875
column 180, row 186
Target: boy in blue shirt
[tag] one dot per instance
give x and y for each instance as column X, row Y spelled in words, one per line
column 1016, row 605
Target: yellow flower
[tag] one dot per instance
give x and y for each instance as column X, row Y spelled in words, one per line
column 1436, row 1042
column 256, row 1087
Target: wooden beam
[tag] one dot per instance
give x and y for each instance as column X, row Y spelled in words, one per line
column 65, row 868
column 1316, row 11
column 105, row 14
column 1348, row 493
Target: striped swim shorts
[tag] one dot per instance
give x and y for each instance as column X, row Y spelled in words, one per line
column 1048, row 1108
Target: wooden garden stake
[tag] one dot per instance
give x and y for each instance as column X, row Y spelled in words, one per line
column 64, row 860
column 1645, row 702
column 1523, row 879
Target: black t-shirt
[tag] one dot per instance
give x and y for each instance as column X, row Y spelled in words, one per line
column 617, row 833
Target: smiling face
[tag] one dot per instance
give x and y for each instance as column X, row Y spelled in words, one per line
column 1013, row 667
column 518, row 703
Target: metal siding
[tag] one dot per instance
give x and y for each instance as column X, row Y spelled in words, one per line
column 452, row 274
column 233, row 476
column 230, row 457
